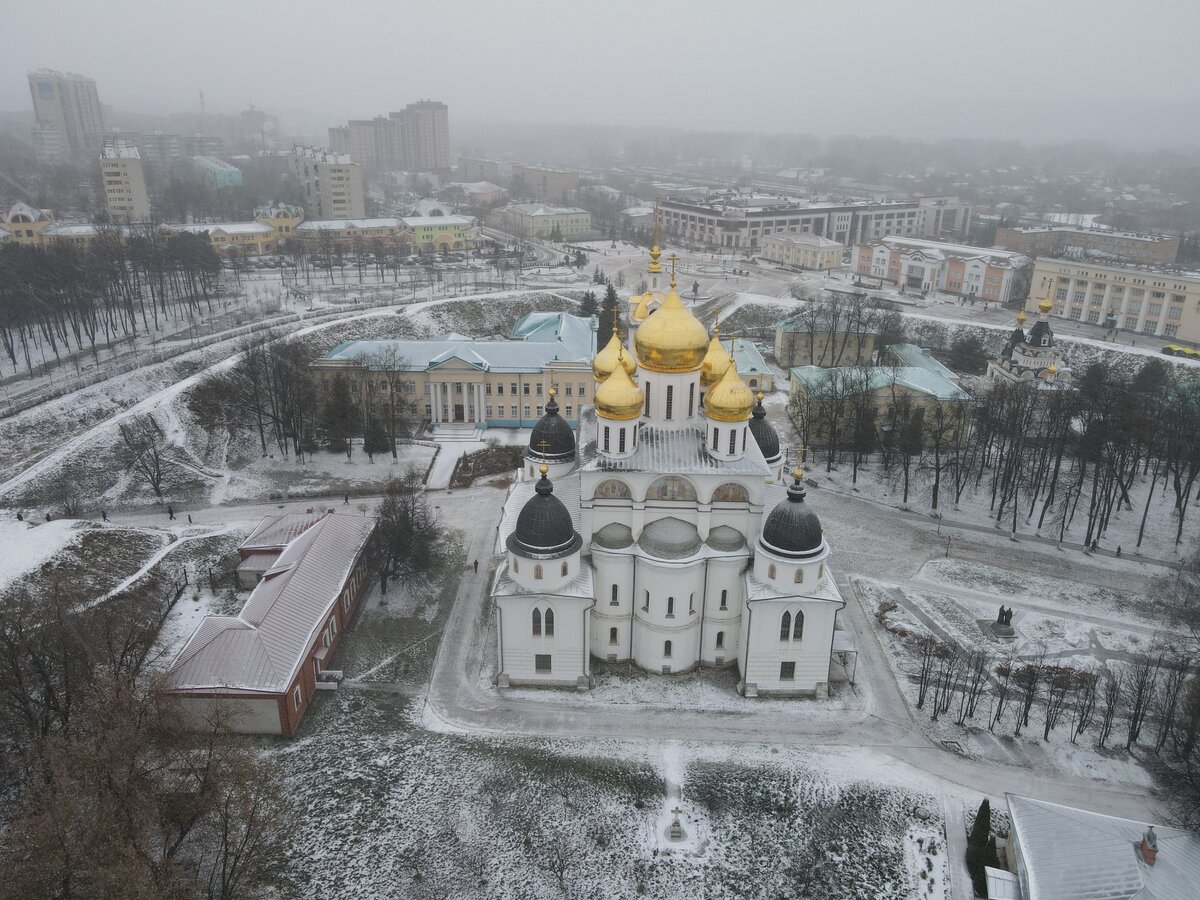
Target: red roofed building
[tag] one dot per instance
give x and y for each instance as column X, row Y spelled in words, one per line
column 262, row 666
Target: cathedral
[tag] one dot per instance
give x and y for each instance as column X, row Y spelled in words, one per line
column 1033, row 359
column 665, row 532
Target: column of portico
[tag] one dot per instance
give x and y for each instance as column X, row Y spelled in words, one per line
column 1087, row 299
column 1143, row 306
column 480, row 416
column 435, row 402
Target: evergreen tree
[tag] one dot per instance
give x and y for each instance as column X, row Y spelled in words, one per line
column 983, row 824
column 339, row 416
column 587, row 306
column 375, row 439
column 967, row 355
column 608, row 314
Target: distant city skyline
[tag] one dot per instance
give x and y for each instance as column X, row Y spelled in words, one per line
column 1023, row 70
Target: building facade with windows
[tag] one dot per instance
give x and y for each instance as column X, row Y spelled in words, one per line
column 668, row 536
column 1148, row 299
column 540, row 221
column 441, row 234
column 541, row 183
column 216, row 172
column 922, row 265
column 417, row 138
column 801, row 250
column 1072, row 241
column 455, row 380
column 331, row 183
column 69, row 118
column 124, row 179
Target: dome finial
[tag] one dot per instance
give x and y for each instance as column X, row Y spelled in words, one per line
column 553, row 393
column 655, row 252
column 543, row 468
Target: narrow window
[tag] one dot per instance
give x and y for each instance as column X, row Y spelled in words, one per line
column 297, row 697
column 732, row 441
column 715, row 443
column 666, row 648
column 771, row 571
column 537, row 572
column 646, row 605
column 564, row 570
column 691, row 603
column 613, row 601
column 670, row 399
column 647, row 398
column 605, row 438
column 724, row 599
column 798, row 626
column 691, row 399
column 541, row 663
column 744, row 430
column 720, row 640
column 785, row 627
column 799, row 579
column 537, row 623
column 670, row 607
column 612, row 635
column 621, row 440
column 549, row 623
column 787, row 671
column 821, row 571
column 516, row 568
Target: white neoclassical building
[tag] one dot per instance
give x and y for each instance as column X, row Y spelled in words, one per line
column 664, row 533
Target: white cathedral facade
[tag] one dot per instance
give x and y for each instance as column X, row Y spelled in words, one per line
column 666, row 534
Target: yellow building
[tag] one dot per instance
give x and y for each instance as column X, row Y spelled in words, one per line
column 540, row 221
column 23, row 224
column 390, row 230
column 283, row 217
column 441, row 234
column 229, row 238
column 801, row 250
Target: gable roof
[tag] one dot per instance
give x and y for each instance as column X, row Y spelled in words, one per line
column 260, row 649
column 1073, row 854
column 913, row 378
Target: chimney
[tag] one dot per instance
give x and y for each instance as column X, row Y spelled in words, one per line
column 1149, row 846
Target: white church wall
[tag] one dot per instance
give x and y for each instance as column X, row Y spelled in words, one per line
column 765, row 652
column 560, row 658
column 684, row 397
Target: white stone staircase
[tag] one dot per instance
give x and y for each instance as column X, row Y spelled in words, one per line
column 457, row 432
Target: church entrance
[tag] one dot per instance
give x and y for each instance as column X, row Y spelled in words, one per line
column 459, row 413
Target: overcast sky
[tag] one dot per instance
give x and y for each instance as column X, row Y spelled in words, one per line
column 1047, row 70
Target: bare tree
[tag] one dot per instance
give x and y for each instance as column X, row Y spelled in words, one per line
column 1110, row 704
column 1142, row 675
column 146, row 450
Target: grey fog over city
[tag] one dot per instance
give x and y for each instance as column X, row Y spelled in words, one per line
column 529, row 451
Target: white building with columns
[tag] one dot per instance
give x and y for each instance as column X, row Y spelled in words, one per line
column 668, row 537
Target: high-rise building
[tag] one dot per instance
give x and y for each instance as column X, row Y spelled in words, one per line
column 418, row 138
column 124, row 182
column 332, row 184
column 70, row 120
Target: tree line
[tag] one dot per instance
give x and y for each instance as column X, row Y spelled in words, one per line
column 70, row 298
column 1045, row 456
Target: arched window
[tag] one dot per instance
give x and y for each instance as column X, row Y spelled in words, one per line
column 691, row 399
column 620, row 440
column 731, row 492
column 744, row 431
column 732, row 441
column 691, row 603
column 605, row 438
column 537, row 572
column 612, row 635
column 716, row 444
column 785, row 627
column 724, row 599
column 798, row 627
column 516, row 567
column 753, row 383
column 549, row 623
column 799, row 579
column 564, row 569
column 666, row 648
column 646, row 387
column 720, row 640
column 670, row 400
column 613, row 601
column 771, row 570
column 670, row 606
column 537, row 622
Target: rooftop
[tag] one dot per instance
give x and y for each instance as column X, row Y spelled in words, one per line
column 1073, row 854
column 260, row 649
column 804, row 238
column 749, row 358
column 544, row 209
column 675, row 451
column 919, row 357
column 536, row 340
column 342, row 224
column 225, row 227
column 438, row 221
column 873, row 378
column 939, row 250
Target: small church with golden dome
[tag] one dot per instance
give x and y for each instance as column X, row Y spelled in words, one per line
column 664, row 533
column 1034, row 359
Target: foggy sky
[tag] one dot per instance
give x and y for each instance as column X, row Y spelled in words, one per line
column 1050, row 70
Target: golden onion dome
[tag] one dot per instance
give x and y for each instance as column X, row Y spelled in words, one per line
column 1021, row 317
column 642, row 311
column 618, row 398
column 716, row 361
column 1052, row 370
column 610, row 357
column 1045, row 306
column 655, row 253
column 672, row 339
column 730, row 400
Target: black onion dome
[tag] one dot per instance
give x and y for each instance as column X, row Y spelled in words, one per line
column 557, row 434
column 764, row 432
column 1017, row 336
column 544, row 527
column 1040, row 335
column 792, row 529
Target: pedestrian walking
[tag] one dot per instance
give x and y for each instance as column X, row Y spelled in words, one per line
column 346, row 502
column 1118, row 551
column 103, row 515
column 189, row 518
column 476, row 565
column 20, row 517
column 170, row 511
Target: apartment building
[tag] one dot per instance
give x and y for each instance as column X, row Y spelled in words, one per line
column 124, row 177
column 1071, row 241
column 416, row 138
column 801, row 250
column 70, row 120
column 742, row 221
column 923, row 265
column 1149, row 299
column 494, row 170
column 331, row 183
column 540, row 220
column 216, row 172
column 541, row 183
